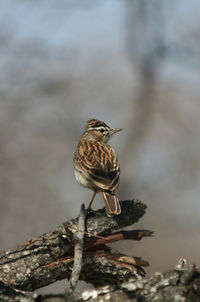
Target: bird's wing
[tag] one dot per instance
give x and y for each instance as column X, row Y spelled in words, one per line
column 99, row 164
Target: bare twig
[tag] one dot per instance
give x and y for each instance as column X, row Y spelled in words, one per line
column 78, row 251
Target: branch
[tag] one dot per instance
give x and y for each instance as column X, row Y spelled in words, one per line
column 48, row 258
column 180, row 284
column 78, row 252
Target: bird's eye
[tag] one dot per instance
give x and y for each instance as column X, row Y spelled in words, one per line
column 101, row 130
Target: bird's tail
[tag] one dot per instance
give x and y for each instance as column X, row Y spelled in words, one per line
column 112, row 204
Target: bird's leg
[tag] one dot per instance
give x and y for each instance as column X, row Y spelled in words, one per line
column 91, row 201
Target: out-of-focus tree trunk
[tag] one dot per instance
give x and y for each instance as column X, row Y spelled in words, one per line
column 145, row 46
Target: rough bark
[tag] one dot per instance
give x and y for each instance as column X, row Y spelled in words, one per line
column 182, row 284
column 48, row 258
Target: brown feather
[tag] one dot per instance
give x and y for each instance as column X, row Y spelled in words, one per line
column 96, row 165
column 99, row 164
column 112, row 204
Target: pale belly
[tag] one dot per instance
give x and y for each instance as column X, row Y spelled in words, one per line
column 82, row 180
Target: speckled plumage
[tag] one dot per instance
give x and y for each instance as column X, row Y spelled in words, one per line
column 96, row 165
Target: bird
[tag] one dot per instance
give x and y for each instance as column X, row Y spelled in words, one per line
column 96, row 165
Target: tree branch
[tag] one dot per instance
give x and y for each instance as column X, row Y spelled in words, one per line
column 180, row 284
column 48, row 258
column 78, row 252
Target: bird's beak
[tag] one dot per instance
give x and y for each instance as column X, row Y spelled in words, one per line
column 112, row 131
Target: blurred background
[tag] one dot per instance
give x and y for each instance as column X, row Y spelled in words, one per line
column 134, row 64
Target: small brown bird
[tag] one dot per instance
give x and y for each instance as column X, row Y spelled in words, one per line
column 96, row 165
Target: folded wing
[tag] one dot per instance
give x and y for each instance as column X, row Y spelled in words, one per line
column 99, row 164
